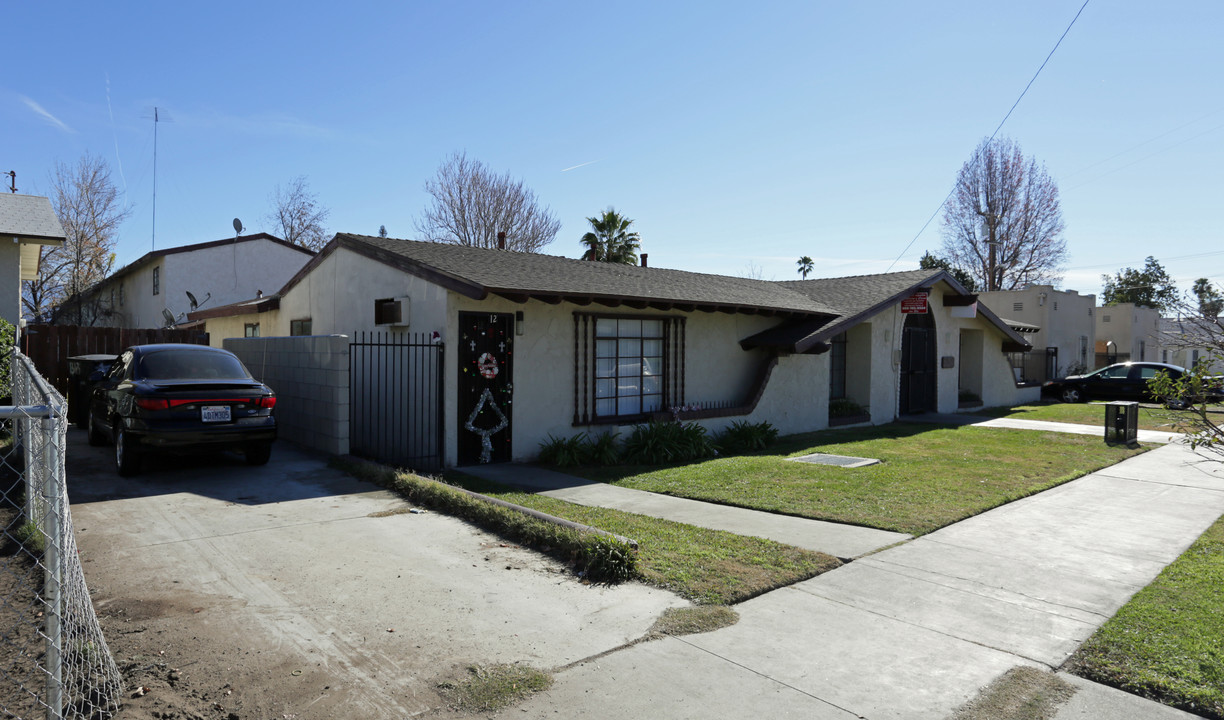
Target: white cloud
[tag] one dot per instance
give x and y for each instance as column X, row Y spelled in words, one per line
column 42, row 112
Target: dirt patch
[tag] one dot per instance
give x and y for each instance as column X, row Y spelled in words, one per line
column 21, row 646
column 1022, row 693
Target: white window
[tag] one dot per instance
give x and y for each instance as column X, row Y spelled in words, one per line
column 628, row 366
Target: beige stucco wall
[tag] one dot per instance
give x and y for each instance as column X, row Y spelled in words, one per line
column 1066, row 318
column 10, row 281
column 1135, row 331
column 716, row 370
column 338, row 296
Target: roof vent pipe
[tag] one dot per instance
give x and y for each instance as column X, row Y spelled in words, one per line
column 644, row 255
column 501, row 240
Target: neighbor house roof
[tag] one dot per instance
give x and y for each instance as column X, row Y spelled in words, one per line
column 30, row 220
column 157, row 254
column 814, row 310
column 244, row 307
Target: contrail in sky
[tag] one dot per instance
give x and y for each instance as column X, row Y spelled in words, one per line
column 575, row 167
column 46, row 115
column 118, row 160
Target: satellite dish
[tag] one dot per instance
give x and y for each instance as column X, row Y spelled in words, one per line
column 169, row 317
column 192, row 298
column 238, row 226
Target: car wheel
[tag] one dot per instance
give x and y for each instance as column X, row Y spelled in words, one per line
column 127, row 457
column 1176, row 403
column 258, row 454
column 96, row 439
column 1072, row 395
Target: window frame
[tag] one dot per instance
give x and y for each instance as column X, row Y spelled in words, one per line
column 247, row 329
column 663, row 383
column 296, row 327
column 157, row 280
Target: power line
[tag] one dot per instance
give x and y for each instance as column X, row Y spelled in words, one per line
column 996, row 130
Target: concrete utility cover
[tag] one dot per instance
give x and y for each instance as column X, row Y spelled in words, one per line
column 838, row 460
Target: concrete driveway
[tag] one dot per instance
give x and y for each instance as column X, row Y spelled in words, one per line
column 293, row 587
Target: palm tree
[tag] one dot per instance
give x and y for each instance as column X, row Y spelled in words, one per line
column 805, row 266
column 611, row 240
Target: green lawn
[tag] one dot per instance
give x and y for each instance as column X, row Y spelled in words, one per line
column 1084, row 414
column 931, row 475
column 706, row 566
column 1165, row 643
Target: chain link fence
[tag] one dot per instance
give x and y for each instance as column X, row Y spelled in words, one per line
column 54, row 662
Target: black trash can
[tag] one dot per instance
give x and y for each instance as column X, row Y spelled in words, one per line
column 80, row 368
column 1122, row 422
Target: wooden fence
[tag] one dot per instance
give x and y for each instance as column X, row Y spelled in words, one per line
column 50, row 346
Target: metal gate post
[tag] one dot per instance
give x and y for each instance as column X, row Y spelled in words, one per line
column 441, row 402
column 52, row 527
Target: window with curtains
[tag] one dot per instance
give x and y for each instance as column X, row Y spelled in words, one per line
column 626, row 366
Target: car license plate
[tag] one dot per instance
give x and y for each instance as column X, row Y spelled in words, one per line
column 215, row 413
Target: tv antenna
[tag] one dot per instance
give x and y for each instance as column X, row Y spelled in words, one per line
column 159, row 116
column 238, row 228
column 12, row 175
column 169, row 317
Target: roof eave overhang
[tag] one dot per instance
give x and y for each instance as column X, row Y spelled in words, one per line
column 636, row 302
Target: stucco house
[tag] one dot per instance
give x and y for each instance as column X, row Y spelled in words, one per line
column 538, row 345
column 1127, row 331
column 1060, row 324
column 27, row 222
column 1187, row 341
column 153, row 291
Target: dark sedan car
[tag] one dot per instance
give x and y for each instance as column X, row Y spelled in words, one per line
column 1123, row 381
column 180, row 397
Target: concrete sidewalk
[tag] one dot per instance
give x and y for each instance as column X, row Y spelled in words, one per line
column 914, row 631
column 1144, row 436
column 837, row 539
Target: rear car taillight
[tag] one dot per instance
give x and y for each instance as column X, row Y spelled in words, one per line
column 264, row 402
column 152, row 403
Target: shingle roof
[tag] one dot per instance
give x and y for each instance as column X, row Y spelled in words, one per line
column 29, row 217
column 819, row 308
column 477, row 272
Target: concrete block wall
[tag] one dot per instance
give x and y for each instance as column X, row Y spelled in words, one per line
column 310, row 376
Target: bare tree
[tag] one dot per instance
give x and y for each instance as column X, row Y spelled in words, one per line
column 1197, row 393
column 1003, row 224
column 297, row 216
column 471, row 205
column 87, row 204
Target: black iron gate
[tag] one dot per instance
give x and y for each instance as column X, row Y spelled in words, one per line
column 395, row 399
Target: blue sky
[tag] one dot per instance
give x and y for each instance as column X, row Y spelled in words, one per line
column 738, row 136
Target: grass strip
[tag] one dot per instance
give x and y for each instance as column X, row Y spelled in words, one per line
column 602, row 558
column 1150, row 418
column 709, row 567
column 706, row 566
column 1165, row 643
column 931, row 475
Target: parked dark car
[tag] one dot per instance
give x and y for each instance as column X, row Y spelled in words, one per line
column 180, row 397
column 1121, row 381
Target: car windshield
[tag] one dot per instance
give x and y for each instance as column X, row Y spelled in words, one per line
column 167, row 364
